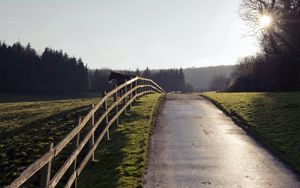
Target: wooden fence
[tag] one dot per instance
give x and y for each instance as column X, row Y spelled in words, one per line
column 123, row 96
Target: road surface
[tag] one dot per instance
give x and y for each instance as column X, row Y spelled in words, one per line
column 195, row 145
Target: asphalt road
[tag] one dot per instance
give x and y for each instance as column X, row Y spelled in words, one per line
column 195, row 145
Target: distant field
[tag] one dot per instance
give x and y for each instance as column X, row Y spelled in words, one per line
column 27, row 129
column 273, row 117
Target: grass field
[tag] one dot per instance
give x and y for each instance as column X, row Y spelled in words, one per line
column 274, row 118
column 121, row 161
column 28, row 128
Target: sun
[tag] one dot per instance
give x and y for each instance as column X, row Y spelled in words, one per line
column 265, row 21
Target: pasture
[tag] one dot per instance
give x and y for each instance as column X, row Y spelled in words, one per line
column 121, row 161
column 28, row 128
column 273, row 118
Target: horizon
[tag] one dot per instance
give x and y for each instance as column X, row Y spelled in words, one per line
column 154, row 69
column 132, row 34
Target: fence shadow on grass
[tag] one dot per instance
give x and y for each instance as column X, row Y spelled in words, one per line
column 107, row 170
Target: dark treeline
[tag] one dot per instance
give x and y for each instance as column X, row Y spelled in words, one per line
column 277, row 67
column 22, row 69
column 98, row 78
column 169, row 79
column 266, row 73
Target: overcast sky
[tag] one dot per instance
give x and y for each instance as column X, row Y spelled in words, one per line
column 130, row 34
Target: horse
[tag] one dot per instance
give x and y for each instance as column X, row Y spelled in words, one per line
column 119, row 78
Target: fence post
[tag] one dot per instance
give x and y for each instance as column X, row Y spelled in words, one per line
column 46, row 172
column 115, row 94
column 107, row 134
column 142, row 83
column 75, row 145
column 125, row 92
column 137, row 90
column 105, row 108
column 130, row 95
column 144, row 88
column 117, row 106
column 141, row 89
column 92, row 139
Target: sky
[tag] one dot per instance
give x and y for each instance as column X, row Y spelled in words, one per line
column 130, row 34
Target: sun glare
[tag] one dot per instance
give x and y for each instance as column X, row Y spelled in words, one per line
column 265, row 21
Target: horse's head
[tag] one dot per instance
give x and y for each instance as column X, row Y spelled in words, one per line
column 113, row 76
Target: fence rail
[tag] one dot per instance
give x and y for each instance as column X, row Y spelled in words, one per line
column 123, row 97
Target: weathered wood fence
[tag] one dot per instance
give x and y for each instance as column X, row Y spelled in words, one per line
column 123, row 96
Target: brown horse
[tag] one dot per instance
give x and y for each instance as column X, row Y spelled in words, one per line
column 119, row 78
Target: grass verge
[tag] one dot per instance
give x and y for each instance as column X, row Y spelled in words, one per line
column 122, row 160
column 272, row 118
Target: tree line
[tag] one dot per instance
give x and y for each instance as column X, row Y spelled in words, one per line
column 168, row 79
column 277, row 66
column 22, row 69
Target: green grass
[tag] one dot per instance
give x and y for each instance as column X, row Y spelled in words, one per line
column 121, row 161
column 273, row 118
column 28, row 128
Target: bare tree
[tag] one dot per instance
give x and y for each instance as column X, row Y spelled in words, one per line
column 283, row 33
column 242, row 77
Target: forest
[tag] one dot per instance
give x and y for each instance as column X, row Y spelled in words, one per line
column 23, row 70
column 169, row 79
